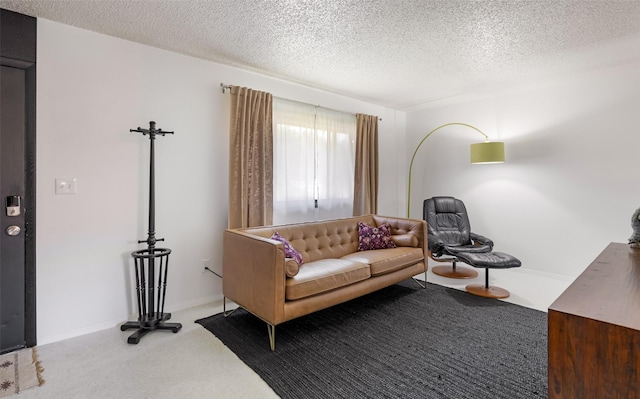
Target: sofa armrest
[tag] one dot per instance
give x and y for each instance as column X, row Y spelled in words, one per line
column 254, row 274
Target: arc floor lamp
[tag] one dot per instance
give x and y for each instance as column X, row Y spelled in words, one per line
column 486, row 152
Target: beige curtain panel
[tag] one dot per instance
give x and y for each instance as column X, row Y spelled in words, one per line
column 365, row 196
column 250, row 158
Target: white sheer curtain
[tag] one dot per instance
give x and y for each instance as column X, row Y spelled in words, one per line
column 313, row 161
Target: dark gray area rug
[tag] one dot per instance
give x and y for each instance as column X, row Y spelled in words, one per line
column 400, row 342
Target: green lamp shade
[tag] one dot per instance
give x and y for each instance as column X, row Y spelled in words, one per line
column 487, row 152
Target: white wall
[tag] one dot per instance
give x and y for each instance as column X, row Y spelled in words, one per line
column 91, row 90
column 571, row 180
column 568, row 188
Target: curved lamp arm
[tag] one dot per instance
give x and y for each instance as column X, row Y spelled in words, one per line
column 420, row 144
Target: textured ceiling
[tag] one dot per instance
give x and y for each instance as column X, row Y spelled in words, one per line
column 397, row 53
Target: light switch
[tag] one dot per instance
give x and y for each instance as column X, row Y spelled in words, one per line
column 66, row 185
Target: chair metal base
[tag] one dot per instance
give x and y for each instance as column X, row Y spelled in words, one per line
column 487, row 292
column 454, row 272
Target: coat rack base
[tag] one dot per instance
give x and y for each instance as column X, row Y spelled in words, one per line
column 151, row 270
column 146, row 327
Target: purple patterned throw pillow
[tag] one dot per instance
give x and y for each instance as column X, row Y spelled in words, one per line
column 370, row 237
column 289, row 250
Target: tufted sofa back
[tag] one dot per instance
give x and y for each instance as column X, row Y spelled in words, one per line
column 336, row 238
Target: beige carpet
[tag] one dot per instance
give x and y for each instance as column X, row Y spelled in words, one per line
column 19, row 370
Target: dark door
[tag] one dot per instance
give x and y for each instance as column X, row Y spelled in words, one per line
column 17, row 181
column 12, row 193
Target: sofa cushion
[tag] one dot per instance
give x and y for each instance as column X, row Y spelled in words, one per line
column 325, row 275
column 289, row 250
column 384, row 261
column 370, row 237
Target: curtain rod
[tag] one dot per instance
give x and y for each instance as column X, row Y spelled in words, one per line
column 228, row 87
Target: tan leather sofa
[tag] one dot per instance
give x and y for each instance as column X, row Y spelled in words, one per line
column 258, row 278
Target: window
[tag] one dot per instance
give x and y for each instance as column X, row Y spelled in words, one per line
column 313, row 162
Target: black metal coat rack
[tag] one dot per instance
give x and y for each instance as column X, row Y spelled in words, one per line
column 151, row 264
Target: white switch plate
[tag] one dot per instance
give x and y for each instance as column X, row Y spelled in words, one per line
column 66, row 185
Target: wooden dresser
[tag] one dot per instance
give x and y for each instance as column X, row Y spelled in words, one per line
column 594, row 330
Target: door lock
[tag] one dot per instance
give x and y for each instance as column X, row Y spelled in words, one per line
column 13, row 230
column 13, row 205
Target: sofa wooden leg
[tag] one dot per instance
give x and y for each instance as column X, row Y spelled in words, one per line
column 272, row 336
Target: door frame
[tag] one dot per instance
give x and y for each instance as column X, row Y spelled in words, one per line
column 18, row 50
